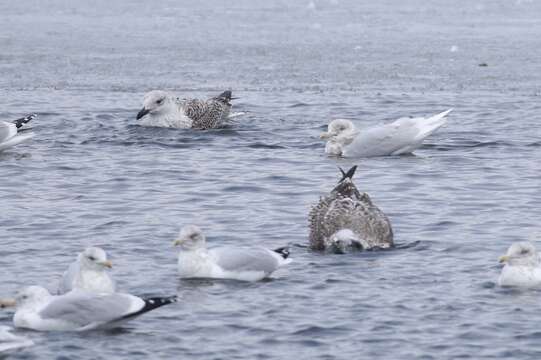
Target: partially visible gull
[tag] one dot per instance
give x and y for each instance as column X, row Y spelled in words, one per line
column 246, row 264
column 347, row 220
column 77, row 310
column 88, row 273
column 400, row 137
column 9, row 132
column 522, row 266
column 163, row 109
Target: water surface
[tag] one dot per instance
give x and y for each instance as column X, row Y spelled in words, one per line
column 92, row 176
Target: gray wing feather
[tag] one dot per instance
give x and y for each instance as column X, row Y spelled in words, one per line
column 234, row 259
column 81, row 308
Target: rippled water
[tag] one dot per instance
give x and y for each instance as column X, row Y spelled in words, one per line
column 91, row 176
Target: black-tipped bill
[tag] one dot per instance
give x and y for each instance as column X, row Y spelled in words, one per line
column 142, row 113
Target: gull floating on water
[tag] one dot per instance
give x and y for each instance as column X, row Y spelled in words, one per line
column 77, row 310
column 522, row 266
column 10, row 342
column 400, row 137
column 88, row 273
column 347, row 220
column 9, row 132
column 252, row 264
column 162, row 109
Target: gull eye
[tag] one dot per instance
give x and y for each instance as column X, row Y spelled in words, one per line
column 159, row 101
column 91, row 258
column 524, row 251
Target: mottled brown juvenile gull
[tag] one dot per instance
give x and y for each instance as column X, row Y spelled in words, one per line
column 9, row 132
column 163, row 109
column 77, row 310
column 347, row 220
column 246, row 264
column 88, row 272
column 522, row 266
column 402, row 136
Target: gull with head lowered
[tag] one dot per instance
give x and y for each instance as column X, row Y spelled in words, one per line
column 162, row 109
column 402, row 136
column 88, row 273
column 347, row 220
column 245, row 264
column 77, row 310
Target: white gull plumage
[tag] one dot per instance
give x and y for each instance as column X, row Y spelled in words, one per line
column 402, row 136
column 522, row 266
column 88, row 272
column 77, row 310
column 9, row 132
column 246, row 264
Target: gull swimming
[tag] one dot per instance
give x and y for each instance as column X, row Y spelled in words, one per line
column 77, row 310
column 245, row 264
column 163, row 109
column 10, row 342
column 88, row 272
column 9, row 132
column 522, row 266
column 402, row 136
column 347, row 220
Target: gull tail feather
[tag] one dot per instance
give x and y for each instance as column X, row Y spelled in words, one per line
column 283, row 251
column 20, row 122
column 225, row 97
column 433, row 123
column 151, row 304
column 349, row 174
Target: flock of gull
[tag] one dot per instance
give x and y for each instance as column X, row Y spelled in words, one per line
column 342, row 221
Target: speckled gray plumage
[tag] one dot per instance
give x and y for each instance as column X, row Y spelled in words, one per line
column 207, row 114
column 346, row 208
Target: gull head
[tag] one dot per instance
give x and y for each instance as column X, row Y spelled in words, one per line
column 29, row 296
column 343, row 241
column 191, row 237
column 154, row 102
column 521, row 253
column 340, row 130
column 94, row 258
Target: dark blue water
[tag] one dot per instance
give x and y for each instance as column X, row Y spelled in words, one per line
column 91, row 176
